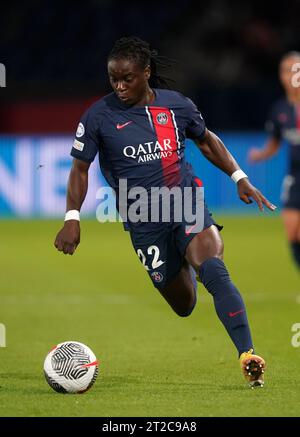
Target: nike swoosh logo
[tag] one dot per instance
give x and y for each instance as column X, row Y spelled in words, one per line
column 120, row 126
column 236, row 313
column 94, row 363
column 189, row 230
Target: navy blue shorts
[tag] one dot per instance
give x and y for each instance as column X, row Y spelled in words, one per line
column 290, row 195
column 162, row 250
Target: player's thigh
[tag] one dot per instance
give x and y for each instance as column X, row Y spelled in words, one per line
column 291, row 221
column 180, row 292
column 207, row 244
column 158, row 253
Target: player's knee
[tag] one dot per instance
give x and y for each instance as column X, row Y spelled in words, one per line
column 211, row 246
column 218, row 255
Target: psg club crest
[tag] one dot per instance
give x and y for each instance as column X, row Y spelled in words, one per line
column 162, row 118
column 157, row 276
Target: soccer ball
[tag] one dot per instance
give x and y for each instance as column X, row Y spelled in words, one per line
column 71, row 367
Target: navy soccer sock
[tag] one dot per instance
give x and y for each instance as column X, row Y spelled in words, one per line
column 228, row 302
column 295, row 246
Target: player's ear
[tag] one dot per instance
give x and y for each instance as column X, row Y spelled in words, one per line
column 147, row 72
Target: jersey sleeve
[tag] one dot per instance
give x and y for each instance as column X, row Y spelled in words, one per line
column 195, row 123
column 272, row 125
column 87, row 140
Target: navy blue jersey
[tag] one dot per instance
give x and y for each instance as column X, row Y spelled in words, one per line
column 143, row 144
column 284, row 123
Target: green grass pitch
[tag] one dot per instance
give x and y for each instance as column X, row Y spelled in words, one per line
column 152, row 362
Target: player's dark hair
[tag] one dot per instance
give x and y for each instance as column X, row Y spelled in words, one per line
column 139, row 51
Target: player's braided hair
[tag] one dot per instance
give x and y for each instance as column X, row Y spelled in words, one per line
column 139, row 51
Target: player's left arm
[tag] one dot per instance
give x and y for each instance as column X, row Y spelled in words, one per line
column 215, row 151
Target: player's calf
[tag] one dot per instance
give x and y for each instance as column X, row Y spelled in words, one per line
column 181, row 294
column 229, row 304
column 184, row 306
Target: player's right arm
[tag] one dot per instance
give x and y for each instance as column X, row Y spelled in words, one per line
column 68, row 237
column 84, row 150
column 270, row 149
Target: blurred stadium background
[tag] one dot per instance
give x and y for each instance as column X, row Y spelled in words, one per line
column 55, row 58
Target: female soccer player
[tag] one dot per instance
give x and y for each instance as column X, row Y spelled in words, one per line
column 284, row 123
column 139, row 131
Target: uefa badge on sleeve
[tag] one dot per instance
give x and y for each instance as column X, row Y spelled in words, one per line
column 80, row 130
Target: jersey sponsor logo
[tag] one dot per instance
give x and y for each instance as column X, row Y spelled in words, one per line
column 150, row 151
column 162, row 118
column 157, row 276
column 120, row 126
column 80, row 130
column 78, row 145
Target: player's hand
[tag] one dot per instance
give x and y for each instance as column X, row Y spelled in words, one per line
column 247, row 192
column 255, row 155
column 68, row 237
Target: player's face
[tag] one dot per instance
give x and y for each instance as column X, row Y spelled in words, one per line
column 286, row 73
column 128, row 80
